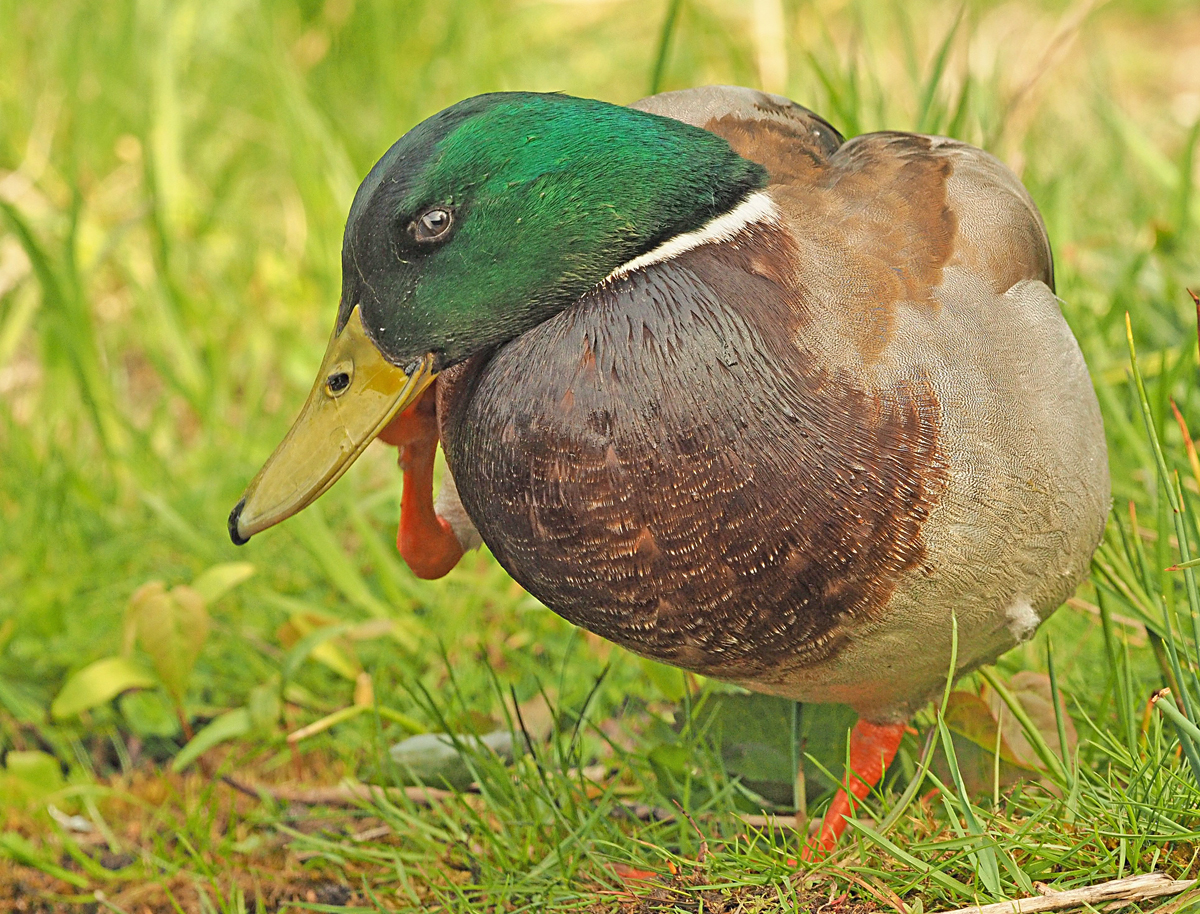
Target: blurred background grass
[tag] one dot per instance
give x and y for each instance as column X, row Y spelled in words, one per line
column 174, row 178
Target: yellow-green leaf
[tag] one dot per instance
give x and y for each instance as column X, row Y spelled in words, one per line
column 32, row 774
column 310, row 635
column 229, row 725
column 171, row 627
column 215, row 582
column 98, row 683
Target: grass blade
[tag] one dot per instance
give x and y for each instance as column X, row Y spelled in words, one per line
column 664, row 46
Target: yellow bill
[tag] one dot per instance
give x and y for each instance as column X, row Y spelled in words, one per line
column 356, row 394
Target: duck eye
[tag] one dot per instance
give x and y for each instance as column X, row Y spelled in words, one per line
column 433, row 224
column 337, row 382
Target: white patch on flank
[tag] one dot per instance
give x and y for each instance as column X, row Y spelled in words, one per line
column 1022, row 620
column 758, row 207
column 451, row 508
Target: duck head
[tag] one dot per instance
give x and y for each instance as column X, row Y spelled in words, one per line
column 480, row 223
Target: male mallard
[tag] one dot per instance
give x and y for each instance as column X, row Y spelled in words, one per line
column 712, row 382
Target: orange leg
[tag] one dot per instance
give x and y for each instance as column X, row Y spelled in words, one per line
column 426, row 541
column 872, row 748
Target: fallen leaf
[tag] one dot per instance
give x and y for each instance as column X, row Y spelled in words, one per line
column 1032, row 690
column 436, row 758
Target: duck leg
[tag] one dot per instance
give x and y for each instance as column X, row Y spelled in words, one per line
column 872, row 748
column 425, row 540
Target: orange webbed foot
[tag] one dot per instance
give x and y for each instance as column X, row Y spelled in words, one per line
column 872, row 748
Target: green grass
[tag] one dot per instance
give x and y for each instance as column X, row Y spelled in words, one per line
column 174, row 179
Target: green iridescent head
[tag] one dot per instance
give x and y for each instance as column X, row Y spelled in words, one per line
column 479, row 224
column 500, row 211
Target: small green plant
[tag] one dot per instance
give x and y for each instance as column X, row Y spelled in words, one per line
column 170, row 627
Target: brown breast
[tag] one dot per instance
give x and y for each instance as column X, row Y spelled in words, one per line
column 661, row 464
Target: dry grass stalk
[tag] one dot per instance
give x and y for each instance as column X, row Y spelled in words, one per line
column 1119, row 891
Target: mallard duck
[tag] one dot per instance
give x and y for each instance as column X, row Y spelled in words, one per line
column 720, row 386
